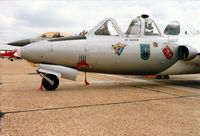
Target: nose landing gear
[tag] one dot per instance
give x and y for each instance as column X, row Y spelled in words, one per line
column 49, row 82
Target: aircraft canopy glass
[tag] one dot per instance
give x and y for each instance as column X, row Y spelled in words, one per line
column 173, row 28
column 134, row 28
column 150, row 29
column 107, row 29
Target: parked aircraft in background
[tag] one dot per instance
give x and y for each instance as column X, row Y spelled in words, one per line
column 8, row 51
column 142, row 50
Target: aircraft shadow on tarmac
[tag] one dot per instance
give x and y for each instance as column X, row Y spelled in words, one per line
column 189, row 83
column 99, row 86
column 182, row 82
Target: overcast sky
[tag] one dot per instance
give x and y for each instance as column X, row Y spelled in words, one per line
column 28, row 19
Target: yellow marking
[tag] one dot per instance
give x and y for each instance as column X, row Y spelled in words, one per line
column 31, row 63
column 118, row 46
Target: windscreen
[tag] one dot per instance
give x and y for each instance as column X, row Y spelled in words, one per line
column 134, row 28
column 107, row 29
column 173, row 28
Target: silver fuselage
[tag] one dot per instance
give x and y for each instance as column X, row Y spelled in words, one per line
column 99, row 52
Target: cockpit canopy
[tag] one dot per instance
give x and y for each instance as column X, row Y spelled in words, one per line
column 107, row 27
column 138, row 27
column 173, row 28
column 134, row 28
column 143, row 26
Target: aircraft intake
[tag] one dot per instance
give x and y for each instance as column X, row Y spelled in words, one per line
column 64, row 72
column 187, row 53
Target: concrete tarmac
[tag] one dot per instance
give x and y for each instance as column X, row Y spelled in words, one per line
column 111, row 105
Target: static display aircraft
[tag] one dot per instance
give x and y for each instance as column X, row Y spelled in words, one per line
column 7, row 51
column 142, row 50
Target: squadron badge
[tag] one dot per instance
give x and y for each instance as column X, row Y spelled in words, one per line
column 145, row 51
column 168, row 52
column 118, row 48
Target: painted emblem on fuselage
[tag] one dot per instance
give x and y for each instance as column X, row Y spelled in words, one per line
column 145, row 51
column 168, row 52
column 119, row 47
column 155, row 44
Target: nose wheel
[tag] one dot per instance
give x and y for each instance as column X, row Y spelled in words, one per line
column 50, row 82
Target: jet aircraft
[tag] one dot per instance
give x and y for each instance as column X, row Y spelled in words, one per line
column 142, row 50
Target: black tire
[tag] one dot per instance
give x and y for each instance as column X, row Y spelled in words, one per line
column 47, row 85
column 158, row 77
column 162, row 77
column 166, row 76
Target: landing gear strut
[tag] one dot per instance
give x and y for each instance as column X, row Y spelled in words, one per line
column 50, row 82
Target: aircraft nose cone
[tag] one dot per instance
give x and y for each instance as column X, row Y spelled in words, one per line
column 22, row 52
column 34, row 52
column 26, row 52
